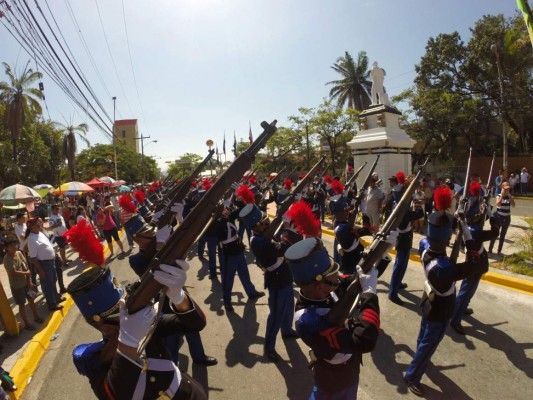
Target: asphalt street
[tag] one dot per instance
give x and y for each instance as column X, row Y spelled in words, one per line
column 494, row 361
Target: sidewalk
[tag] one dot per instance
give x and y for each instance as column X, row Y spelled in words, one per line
column 21, row 354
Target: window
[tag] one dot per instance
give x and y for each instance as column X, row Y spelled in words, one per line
column 123, row 134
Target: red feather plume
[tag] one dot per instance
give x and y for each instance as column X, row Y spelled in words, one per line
column 328, row 179
column 206, row 184
column 151, row 189
column 194, row 184
column 82, row 239
column 337, row 187
column 303, row 218
column 350, row 168
column 140, row 196
column 475, row 189
column 443, row 198
column 302, row 175
column 246, row 194
column 401, row 177
column 125, row 202
column 271, row 176
column 287, row 183
column 252, row 179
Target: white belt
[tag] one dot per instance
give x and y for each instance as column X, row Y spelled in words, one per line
column 352, row 247
column 276, row 265
column 339, row 358
column 406, row 229
column 155, row 364
column 231, row 239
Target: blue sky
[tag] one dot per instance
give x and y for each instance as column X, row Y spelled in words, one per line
column 207, row 66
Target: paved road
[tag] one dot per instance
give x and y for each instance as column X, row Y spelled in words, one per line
column 523, row 208
column 493, row 362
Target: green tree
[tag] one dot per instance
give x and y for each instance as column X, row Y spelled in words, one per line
column 333, row 125
column 70, row 145
column 305, row 133
column 184, row 166
column 354, row 87
column 22, row 101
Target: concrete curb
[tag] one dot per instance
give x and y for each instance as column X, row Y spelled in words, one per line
column 28, row 362
column 501, row 280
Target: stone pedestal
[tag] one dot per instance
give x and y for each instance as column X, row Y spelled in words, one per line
column 380, row 133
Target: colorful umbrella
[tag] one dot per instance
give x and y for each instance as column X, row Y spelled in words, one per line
column 43, row 186
column 15, row 194
column 97, row 183
column 118, row 183
column 124, row 189
column 73, row 187
column 107, row 179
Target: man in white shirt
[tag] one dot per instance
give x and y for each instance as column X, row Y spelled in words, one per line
column 116, row 209
column 58, row 226
column 90, row 207
column 374, row 200
column 42, row 255
column 524, row 180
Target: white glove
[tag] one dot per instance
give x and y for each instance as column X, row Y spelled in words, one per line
column 298, row 197
column 162, row 235
column 134, row 327
column 227, row 203
column 177, row 208
column 392, row 238
column 157, row 215
column 174, row 279
column 368, row 281
column 235, row 185
column 345, row 193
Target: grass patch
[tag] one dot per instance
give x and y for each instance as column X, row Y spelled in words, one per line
column 519, row 263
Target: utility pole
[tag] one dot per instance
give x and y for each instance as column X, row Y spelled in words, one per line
column 114, row 135
column 503, row 111
column 142, row 154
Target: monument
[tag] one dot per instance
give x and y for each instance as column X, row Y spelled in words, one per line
column 380, row 133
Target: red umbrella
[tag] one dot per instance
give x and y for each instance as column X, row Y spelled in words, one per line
column 97, row 183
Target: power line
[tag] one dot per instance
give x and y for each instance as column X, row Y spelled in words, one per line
column 112, row 58
column 132, row 69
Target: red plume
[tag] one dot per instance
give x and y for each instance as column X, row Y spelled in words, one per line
column 302, row 175
column 206, row 184
column 140, row 196
column 151, row 189
column 475, row 189
column 194, row 184
column 401, row 177
column 178, row 180
column 252, row 179
column 246, row 194
column 443, row 198
column 287, row 183
column 337, row 187
column 271, row 176
column 81, row 238
column 328, row 179
column 303, row 218
column 350, row 168
column 125, row 202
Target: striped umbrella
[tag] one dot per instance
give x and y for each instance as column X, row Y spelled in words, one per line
column 73, row 187
column 124, row 189
column 15, row 194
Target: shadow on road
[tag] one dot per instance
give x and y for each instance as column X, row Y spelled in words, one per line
column 298, row 378
column 499, row 340
column 384, row 358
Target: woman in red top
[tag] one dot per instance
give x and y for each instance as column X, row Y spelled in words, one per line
column 111, row 231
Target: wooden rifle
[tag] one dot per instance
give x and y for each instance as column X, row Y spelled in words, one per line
column 266, row 186
column 488, row 194
column 282, row 208
column 179, row 243
column 351, row 182
column 179, row 193
column 461, row 212
column 374, row 253
column 361, row 194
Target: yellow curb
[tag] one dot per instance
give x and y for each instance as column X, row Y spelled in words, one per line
column 27, row 363
column 501, row 280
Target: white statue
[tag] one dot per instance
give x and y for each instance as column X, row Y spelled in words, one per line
column 377, row 92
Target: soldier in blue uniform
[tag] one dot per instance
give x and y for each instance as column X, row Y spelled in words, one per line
column 438, row 298
column 278, row 279
column 475, row 218
column 403, row 250
column 112, row 365
column 336, row 351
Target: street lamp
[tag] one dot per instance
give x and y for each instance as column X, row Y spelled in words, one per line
column 495, row 49
column 142, row 138
column 114, row 135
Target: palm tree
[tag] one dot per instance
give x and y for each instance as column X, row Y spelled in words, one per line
column 21, row 99
column 354, row 87
column 70, row 145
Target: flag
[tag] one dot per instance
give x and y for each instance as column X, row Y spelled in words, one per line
column 528, row 17
column 224, row 144
column 234, row 144
column 218, row 154
column 250, row 137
